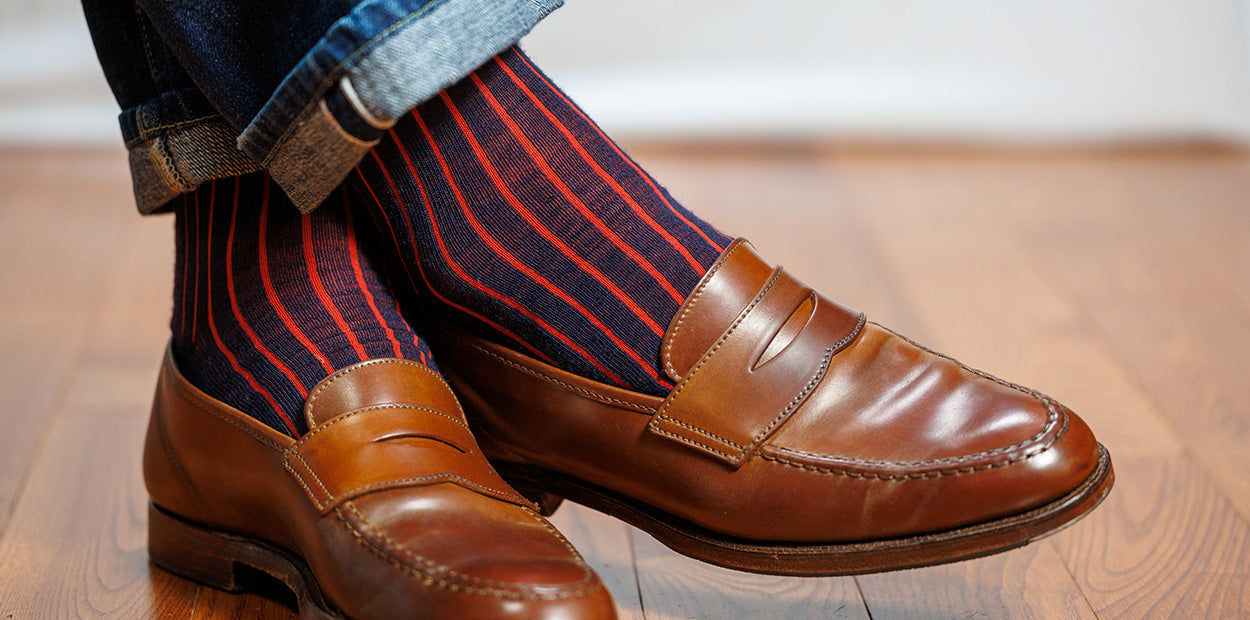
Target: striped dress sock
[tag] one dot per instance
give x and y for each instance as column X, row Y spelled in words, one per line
column 268, row 302
column 506, row 203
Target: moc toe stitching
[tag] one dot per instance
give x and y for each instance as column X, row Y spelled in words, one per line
column 437, row 575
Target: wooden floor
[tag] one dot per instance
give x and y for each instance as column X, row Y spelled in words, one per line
column 1115, row 280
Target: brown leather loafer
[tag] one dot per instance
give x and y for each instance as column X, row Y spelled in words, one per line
column 799, row 439
column 385, row 509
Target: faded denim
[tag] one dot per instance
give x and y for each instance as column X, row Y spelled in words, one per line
column 216, row 88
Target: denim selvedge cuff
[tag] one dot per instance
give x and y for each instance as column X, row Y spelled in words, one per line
column 181, row 158
column 333, row 107
column 177, row 141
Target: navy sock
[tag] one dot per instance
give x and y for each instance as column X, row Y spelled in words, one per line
column 504, row 201
column 268, row 302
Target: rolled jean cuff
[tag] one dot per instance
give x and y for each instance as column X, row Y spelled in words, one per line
column 176, row 142
column 347, row 91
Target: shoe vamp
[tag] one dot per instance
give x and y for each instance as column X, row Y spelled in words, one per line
column 889, row 406
column 448, row 532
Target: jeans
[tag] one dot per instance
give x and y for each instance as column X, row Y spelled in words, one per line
column 217, row 88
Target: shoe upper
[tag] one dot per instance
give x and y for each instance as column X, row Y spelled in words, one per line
column 793, row 419
column 387, row 499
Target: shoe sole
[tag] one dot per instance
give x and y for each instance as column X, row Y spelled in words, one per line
column 214, row 559
column 546, row 488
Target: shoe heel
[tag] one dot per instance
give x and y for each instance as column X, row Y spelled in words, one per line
column 195, row 553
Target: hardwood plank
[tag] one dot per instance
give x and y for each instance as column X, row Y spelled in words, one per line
column 951, row 252
column 118, row 362
column 1031, row 582
column 59, row 241
column 75, row 548
column 1169, row 298
column 606, row 545
column 97, row 277
column 1166, row 544
column 675, row 586
column 951, row 234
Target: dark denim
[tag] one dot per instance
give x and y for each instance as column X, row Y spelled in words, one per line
column 216, row 88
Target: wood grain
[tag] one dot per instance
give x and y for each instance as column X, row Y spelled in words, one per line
column 985, row 292
column 1117, row 282
column 674, row 586
column 605, row 544
column 57, row 243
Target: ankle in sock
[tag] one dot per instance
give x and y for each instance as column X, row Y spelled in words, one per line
column 268, row 302
column 504, row 201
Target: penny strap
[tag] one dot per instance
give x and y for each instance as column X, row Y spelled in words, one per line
column 758, row 373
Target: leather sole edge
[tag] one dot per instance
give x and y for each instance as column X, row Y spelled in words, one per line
column 819, row 560
column 212, row 558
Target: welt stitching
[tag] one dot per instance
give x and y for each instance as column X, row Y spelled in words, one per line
column 286, row 464
column 1052, row 417
column 712, row 351
column 392, row 547
column 687, row 440
column 910, row 476
column 349, row 370
column 553, row 380
column 707, row 278
column 794, row 402
column 702, row 432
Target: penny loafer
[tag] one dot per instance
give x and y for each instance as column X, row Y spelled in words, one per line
column 385, row 509
column 799, row 438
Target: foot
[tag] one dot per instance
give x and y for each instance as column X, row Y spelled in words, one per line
column 799, row 438
column 619, row 351
column 385, row 509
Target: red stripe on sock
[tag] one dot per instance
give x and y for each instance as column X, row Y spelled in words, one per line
column 546, row 233
column 272, row 295
column 234, row 302
column 603, row 174
column 360, row 276
column 310, row 260
column 394, row 238
column 212, row 326
column 646, row 177
column 465, row 276
column 403, row 209
column 502, row 252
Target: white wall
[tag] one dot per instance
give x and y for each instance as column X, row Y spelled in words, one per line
column 893, row 69
column 1034, row 69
